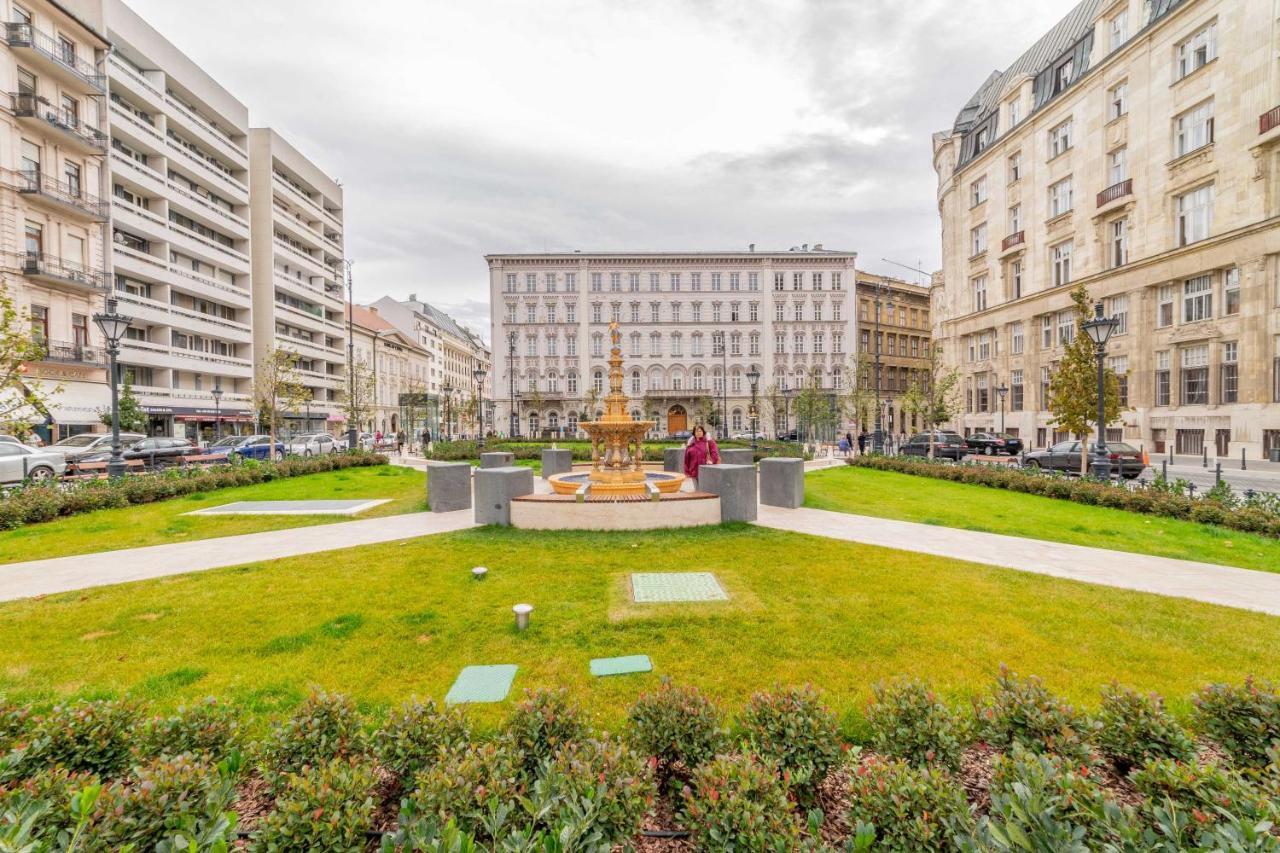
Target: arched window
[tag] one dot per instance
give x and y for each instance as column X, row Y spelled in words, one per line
column 697, row 379
column 837, row 378
column 597, row 381
column 736, row 419
column 553, row 421
column 533, row 423
column 635, row 383
column 572, row 423
column 572, row 383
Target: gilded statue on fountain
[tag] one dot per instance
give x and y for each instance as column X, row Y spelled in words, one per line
column 617, row 441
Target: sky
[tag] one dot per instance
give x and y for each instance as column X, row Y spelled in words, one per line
column 460, row 128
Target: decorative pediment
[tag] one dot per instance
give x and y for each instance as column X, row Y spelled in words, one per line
column 1195, row 332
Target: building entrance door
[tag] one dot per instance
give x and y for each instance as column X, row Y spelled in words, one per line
column 677, row 420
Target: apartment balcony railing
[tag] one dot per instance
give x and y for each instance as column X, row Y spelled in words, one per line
column 64, row 195
column 21, row 35
column 1017, row 238
column 68, row 353
column 56, row 271
column 67, row 123
column 1269, row 120
column 1115, row 191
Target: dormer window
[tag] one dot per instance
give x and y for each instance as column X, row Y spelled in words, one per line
column 1062, row 76
column 983, row 140
column 1015, row 112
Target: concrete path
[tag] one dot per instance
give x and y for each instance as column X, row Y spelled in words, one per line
column 1243, row 588
column 61, row 574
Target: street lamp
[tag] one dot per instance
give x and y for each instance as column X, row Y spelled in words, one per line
column 479, row 374
column 513, row 415
column 786, row 412
column 1099, row 329
column 448, row 410
column 217, row 411
column 353, row 428
column 113, row 324
column 1002, row 390
column 753, row 376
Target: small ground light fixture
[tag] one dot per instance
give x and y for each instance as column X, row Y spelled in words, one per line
column 479, row 572
column 522, row 612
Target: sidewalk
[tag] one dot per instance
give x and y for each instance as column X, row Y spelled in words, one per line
column 1207, row 582
column 61, row 574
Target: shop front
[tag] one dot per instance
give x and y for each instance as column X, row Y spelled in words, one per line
column 198, row 424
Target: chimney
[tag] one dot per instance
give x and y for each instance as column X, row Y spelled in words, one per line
column 817, row 247
column 804, row 247
column 751, row 247
column 373, row 309
column 413, row 297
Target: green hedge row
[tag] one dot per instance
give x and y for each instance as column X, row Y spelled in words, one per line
column 461, row 451
column 31, row 504
column 1019, row 762
column 1257, row 514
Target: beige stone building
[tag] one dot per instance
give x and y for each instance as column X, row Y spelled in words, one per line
column 1135, row 149
column 894, row 321
column 398, row 369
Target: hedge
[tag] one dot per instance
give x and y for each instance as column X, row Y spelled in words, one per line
column 463, row 451
column 32, row 504
column 1219, row 506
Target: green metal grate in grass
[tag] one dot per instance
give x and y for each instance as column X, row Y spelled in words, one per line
column 661, row 587
column 620, row 666
column 482, row 684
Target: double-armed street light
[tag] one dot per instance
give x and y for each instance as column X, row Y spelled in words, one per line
column 113, row 325
column 1100, row 329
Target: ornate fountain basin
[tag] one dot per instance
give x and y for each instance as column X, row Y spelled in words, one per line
column 568, row 484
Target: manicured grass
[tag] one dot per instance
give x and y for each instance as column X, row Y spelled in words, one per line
column 887, row 494
column 385, row 622
column 165, row 521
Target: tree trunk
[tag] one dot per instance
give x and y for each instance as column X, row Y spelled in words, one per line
column 1084, row 455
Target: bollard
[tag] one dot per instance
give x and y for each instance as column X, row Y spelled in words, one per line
column 1217, row 474
column 479, row 572
column 1164, row 470
column 1171, row 454
column 522, row 612
column 1205, row 451
column 1244, row 466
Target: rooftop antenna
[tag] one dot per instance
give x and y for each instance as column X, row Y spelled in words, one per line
column 906, row 267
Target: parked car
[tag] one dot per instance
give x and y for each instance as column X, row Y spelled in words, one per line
column 746, row 436
column 160, row 451
column 1064, row 456
column 19, row 462
column 247, row 447
column 10, row 439
column 946, row 445
column 314, row 444
column 682, row 435
column 994, row 443
column 77, row 447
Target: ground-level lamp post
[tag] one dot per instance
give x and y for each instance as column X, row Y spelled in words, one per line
column 479, row 374
column 753, row 376
column 1002, row 391
column 113, row 324
column 217, row 411
column 1099, row 329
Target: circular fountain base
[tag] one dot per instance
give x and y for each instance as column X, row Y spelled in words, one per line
column 614, row 512
column 637, row 484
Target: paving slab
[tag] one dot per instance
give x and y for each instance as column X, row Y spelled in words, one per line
column 662, row 587
column 291, row 507
column 627, row 665
column 481, row 684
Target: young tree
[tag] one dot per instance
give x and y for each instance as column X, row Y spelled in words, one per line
column 773, row 408
column 359, row 407
column 934, row 395
column 1073, row 388
column 21, row 397
column 132, row 417
column 860, row 399
column 279, row 387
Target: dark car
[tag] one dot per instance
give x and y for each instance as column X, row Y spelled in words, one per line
column 946, row 445
column 681, row 434
column 159, row 452
column 1126, row 460
column 247, row 447
column 78, row 447
column 994, row 443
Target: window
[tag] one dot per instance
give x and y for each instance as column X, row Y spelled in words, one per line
column 675, row 282
column 1062, row 75
column 1015, row 280
column 983, row 140
column 779, row 281
column 1195, row 375
column 595, row 312
column 697, row 312
column 1060, row 198
column 984, row 346
column 1015, row 338
column 553, row 344
column 595, row 282
column 653, row 282
column 1045, row 374
column 1015, row 219
column 1046, row 331
column 977, row 192
column 837, row 343
column 1195, row 215
column 780, row 342
column 1118, row 29
column 571, row 282
column 695, row 280
column 615, row 312
column 1162, row 378
column 1061, row 256
column 798, row 341
column 978, row 240
column 715, row 312
column 696, row 347
column 71, row 174
column 1164, row 306
column 1193, row 129
column 753, row 281
column 551, row 282
column 980, row 293
column 817, row 277
column 798, row 309
column 551, row 312
column 677, row 342
column 753, row 314
column 1119, row 242
column 531, row 313
column 654, row 309
column 1060, row 139
column 1119, row 365
column 837, row 281
column 530, row 345
column 571, row 312
column 1197, row 299
column 779, row 310
column 655, row 344
column 1197, row 51
column 1066, row 327
column 715, row 281
column 819, row 343
column 797, row 281
column 733, row 312
column 1015, row 391
column 1229, row 385
column 1117, row 101
column 1118, row 308
column 1118, row 166
column 597, row 382
column 1231, row 291
column 571, row 348
column 635, row 312
column 1015, row 112
column 1015, row 166
column 837, row 309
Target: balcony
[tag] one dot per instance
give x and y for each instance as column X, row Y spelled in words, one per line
column 56, row 272
column 67, row 198
column 1017, row 238
column 1268, row 121
column 1115, row 192
column 26, row 40
column 66, row 353
column 65, row 124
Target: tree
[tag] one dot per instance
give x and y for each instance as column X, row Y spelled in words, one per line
column 278, row 387
column 359, row 407
column 132, row 417
column 1073, row 388
column 814, row 406
column 933, row 395
column 860, row 399
column 773, row 408
column 21, row 397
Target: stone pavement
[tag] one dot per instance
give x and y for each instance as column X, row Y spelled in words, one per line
column 61, row 574
column 1208, row 582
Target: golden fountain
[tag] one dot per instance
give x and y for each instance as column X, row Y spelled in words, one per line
column 617, row 445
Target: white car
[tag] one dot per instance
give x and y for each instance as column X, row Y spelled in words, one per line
column 92, row 442
column 314, row 444
column 19, row 462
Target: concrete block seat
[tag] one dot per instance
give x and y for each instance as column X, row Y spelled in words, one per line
column 736, row 487
column 497, row 459
column 448, row 486
column 737, row 456
column 614, row 512
column 495, row 488
column 782, row 482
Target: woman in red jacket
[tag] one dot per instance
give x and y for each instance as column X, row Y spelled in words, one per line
column 701, row 450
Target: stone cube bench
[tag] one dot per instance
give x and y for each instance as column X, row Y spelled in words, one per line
column 738, row 456
column 735, row 485
column 557, row 461
column 448, row 486
column 782, row 482
column 497, row 459
column 495, row 487
column 673, row 459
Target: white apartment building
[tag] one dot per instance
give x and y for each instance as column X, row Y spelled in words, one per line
column 398, row 368
column 298, row 284
column 1135, row 149
column 693, row 326
column 52, row 185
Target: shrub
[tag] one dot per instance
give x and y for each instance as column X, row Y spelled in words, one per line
column 1133, row 729
column 94, row 737
column 541, row 724
column 908, row 721
column 327, row 807
column 207, row 728
column 1244, row 720
column 738, row 802
column 414, row 736
column 1042, row 802
column 49, row 792
column 15, row 723
column 600, row 779
column 1207, row 792
column 793, row 730
column 325, row 727
column 676, row 724
column 1024, row 712
column 164, row 797
column 910, row 808
column 463, row 786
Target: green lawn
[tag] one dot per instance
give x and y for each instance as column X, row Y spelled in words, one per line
column 887, row 494
column 164, row 522
column 385, row 622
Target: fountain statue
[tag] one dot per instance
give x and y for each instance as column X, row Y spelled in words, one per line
column 617, row 444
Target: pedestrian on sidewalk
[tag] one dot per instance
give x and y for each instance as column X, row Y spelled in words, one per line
column 400, row 442
column 844, row 446
column 701, row 450
column 862, row 442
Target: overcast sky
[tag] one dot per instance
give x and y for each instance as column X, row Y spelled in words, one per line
column 463, row 127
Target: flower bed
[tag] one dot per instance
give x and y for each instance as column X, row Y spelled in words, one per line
column 1259, row 513
column 32, row 504
column 1017, row 763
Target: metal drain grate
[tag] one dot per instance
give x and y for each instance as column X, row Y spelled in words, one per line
column 659, row 587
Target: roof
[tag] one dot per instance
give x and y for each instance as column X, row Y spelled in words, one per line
column 374, row 322
column 732, row 253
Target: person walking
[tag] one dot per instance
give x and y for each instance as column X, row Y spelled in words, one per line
column 400, row 442
column 862, row 442
column 844, row 446
column 701, row 450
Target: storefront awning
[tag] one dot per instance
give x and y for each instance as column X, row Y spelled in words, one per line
column 77, row 404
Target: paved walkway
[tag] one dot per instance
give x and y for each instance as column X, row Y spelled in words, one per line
column 1208, row 582
column 61, row 574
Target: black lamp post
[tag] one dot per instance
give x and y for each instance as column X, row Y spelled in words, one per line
column 217, row 411
column 1002, row 390
column 513, row 415
column 1099, row 329
column 786, row 411
column 753, row 376
column 448, row 410
column 113, row 324
column 479, row 374
column 353, row 428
